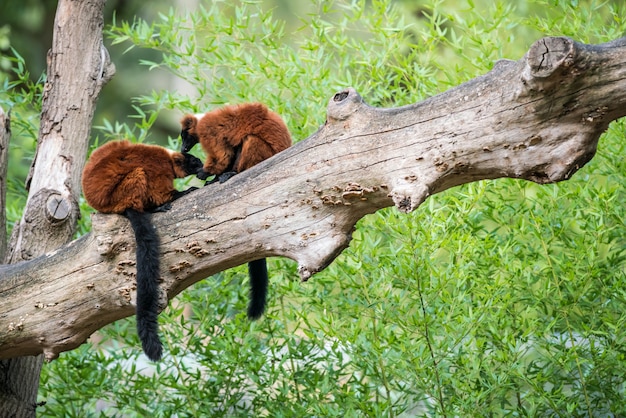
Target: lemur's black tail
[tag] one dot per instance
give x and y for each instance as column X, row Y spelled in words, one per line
column 147, row 283
column 257, row 270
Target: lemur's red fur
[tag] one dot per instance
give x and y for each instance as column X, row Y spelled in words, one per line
column 134, row 179
column 235, row 138
column 121, row 175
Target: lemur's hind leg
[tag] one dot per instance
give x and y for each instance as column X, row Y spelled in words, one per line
column 230, row 172
column 253, row 151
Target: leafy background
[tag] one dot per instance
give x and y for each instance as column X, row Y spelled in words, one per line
column 496, row 298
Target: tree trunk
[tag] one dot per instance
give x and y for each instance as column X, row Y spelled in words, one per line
column 78, row 67
column 538, row 119
column 5, row 134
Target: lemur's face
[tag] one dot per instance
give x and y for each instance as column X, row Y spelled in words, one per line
column 189, row 140
column 191, row 164
column 188, row 132
column 185, row 164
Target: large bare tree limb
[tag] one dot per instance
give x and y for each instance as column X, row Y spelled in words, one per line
column 538, row 119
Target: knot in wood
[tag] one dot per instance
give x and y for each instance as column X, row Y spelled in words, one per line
column 343, row 104
column 341, row 96
column 58, row 208
column 548, row 54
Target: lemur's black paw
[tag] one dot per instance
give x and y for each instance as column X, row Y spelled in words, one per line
column 225, row 176
column 163, row 208
column 203, row 175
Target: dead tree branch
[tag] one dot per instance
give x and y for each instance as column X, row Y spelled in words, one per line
column 537, row 119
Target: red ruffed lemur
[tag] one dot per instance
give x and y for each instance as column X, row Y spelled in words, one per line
column 134, row 180
column 235, row 138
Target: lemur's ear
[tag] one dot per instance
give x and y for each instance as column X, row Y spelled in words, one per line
column 188, row 122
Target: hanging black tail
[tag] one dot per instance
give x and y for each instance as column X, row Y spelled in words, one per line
column 257, row 270
column 147, row 283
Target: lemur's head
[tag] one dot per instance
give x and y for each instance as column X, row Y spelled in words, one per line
column 188, row 132
column 185, row 164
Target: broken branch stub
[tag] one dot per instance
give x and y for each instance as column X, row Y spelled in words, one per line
column 537, row 119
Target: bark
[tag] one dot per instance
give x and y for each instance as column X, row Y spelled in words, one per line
column 78, row 67
column 538, row 119
column 5, row 134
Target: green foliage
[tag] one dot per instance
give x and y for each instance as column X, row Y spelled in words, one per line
column 230, row 53
column 497, row 298
column 21, row 98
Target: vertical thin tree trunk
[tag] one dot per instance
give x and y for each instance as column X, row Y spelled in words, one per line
column 5, row 134
column 78, row 67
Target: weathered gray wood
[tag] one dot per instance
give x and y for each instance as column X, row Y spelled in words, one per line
column 538, row 119
column 5, row 135
column 78, row 67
